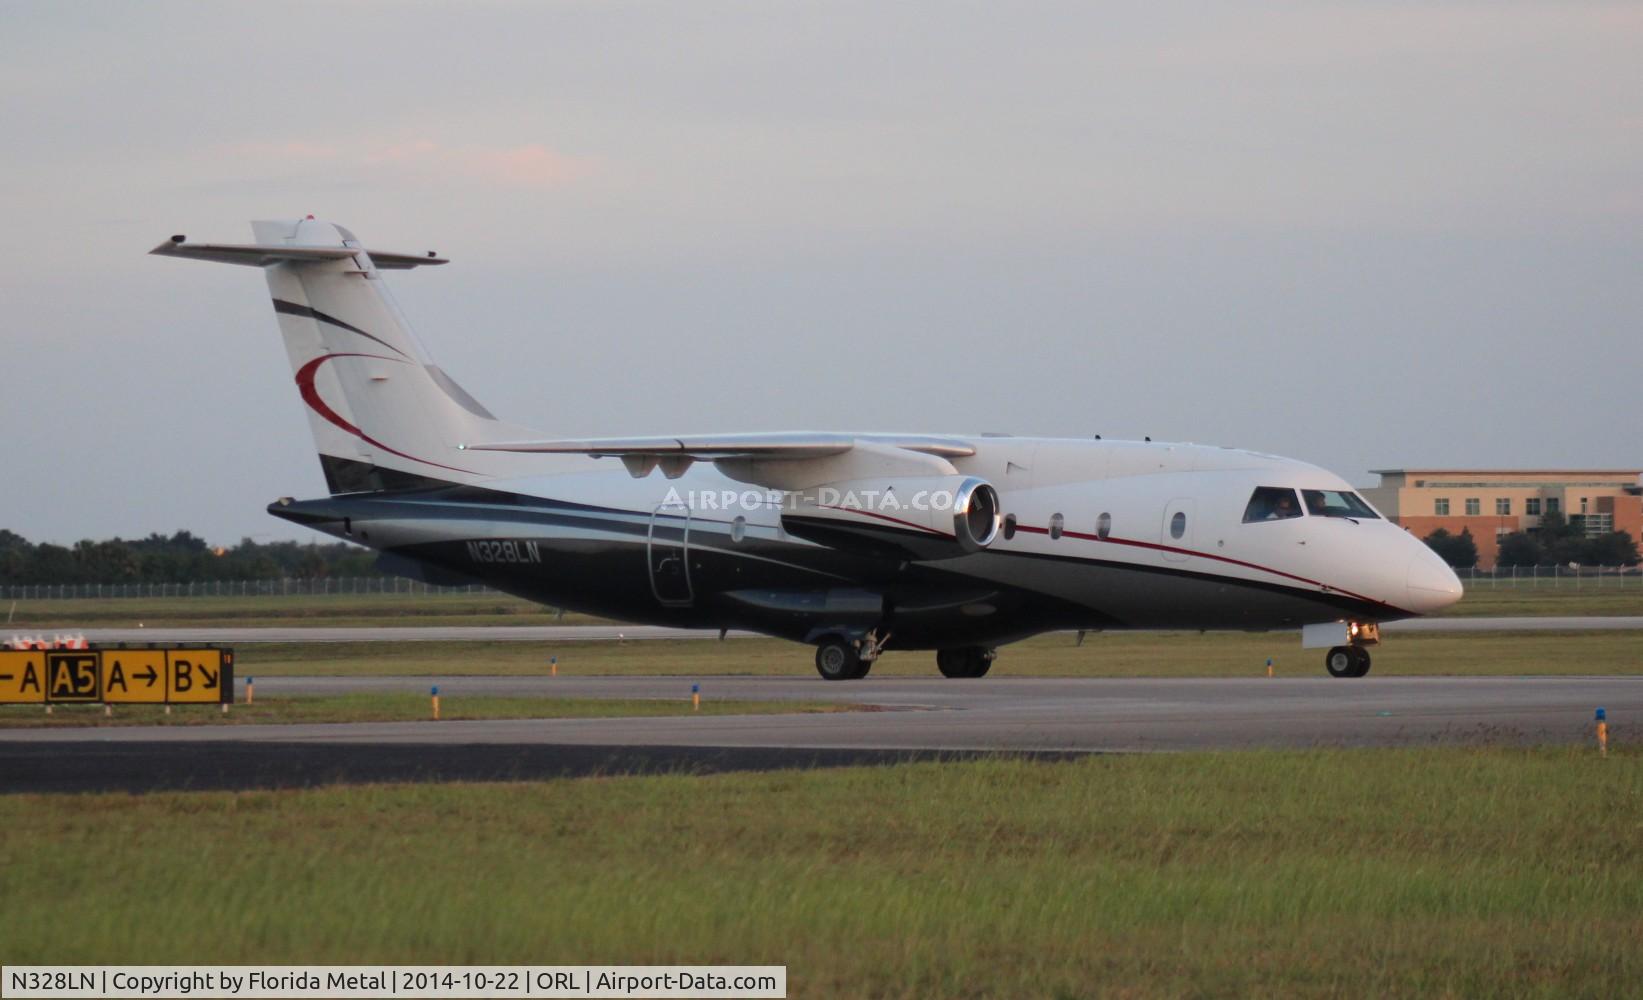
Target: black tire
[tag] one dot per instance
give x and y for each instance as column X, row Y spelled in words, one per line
column 964, row 662
column 1361, row 655
column 981, row 661
column 1342, row 661
column 837, row 660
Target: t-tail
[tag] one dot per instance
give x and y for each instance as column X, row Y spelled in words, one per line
column 383, row 415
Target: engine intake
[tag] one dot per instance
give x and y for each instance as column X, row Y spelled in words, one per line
column 920, row 517
column 975, row 515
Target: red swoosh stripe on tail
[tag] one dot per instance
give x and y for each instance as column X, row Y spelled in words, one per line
column 311, row 396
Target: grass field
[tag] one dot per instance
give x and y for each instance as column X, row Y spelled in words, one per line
column 389, row 707
column 388, row 610
column 1591, row 598
column 1475, row 872
column 1112, row 654
column 384, row 610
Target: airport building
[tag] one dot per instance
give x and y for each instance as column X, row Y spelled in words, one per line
column 1492, row 503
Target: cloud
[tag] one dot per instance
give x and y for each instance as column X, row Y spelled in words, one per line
column 296, row 149
column 529, row 165
column 533, row 165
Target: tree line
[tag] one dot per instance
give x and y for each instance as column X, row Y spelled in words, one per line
column 1557, row 542
column 179, row 558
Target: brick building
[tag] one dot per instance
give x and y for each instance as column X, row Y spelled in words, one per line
column 1492, row 503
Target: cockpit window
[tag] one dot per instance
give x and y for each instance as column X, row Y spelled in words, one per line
column 1272, row 503
column 1336, row 503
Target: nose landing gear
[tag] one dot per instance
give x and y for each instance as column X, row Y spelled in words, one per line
column 1347, row 661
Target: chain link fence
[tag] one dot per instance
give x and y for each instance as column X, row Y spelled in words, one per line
column 283, row 587
column 1551, row 577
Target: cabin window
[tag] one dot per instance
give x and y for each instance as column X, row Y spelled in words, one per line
column 1057, row 525
column 1009, row 526
column 738, row 529
column 1178, row 524
column 1272, row 503
column 1339, row 503
column 1103, row 525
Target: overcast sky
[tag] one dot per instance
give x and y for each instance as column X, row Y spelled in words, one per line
column 1365, row 235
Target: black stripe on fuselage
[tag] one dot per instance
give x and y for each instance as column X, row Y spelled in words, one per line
column 293, row 309
column 1351, row 606
column 468, row 503
column 347, row 475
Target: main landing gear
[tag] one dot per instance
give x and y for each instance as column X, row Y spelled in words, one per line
column 1347, row 661
column 840, row 658
column 965, row 661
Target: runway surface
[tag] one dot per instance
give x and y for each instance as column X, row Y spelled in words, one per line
column 903, row 716
column 611, row 633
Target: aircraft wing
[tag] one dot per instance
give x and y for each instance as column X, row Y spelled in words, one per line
column 765, row 459
column 788, row 445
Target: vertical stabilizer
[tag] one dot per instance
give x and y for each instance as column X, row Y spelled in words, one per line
column 383, row 415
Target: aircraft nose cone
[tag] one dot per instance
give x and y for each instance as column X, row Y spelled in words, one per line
column 1432, row 584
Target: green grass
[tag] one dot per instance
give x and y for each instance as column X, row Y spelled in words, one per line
column 1449, row 872
column 389, row 707
column 1591, row 598
column 251, row 612
column 1110, row 654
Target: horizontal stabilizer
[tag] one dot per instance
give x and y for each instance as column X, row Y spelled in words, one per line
column 264, row 254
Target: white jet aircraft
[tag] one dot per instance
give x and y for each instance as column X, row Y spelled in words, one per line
column 853, row 543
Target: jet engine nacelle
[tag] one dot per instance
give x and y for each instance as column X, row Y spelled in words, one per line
column 913, row 517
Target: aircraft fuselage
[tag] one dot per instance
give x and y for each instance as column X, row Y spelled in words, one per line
column 1096, row 535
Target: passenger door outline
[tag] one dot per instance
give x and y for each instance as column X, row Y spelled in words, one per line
column 1187, row 508
column 667, row 555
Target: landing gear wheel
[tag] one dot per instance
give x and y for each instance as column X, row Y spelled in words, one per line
column 837, row 660
column 981, row 661
column 1339, row 661
column 1347, row 661
column 964, row 662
